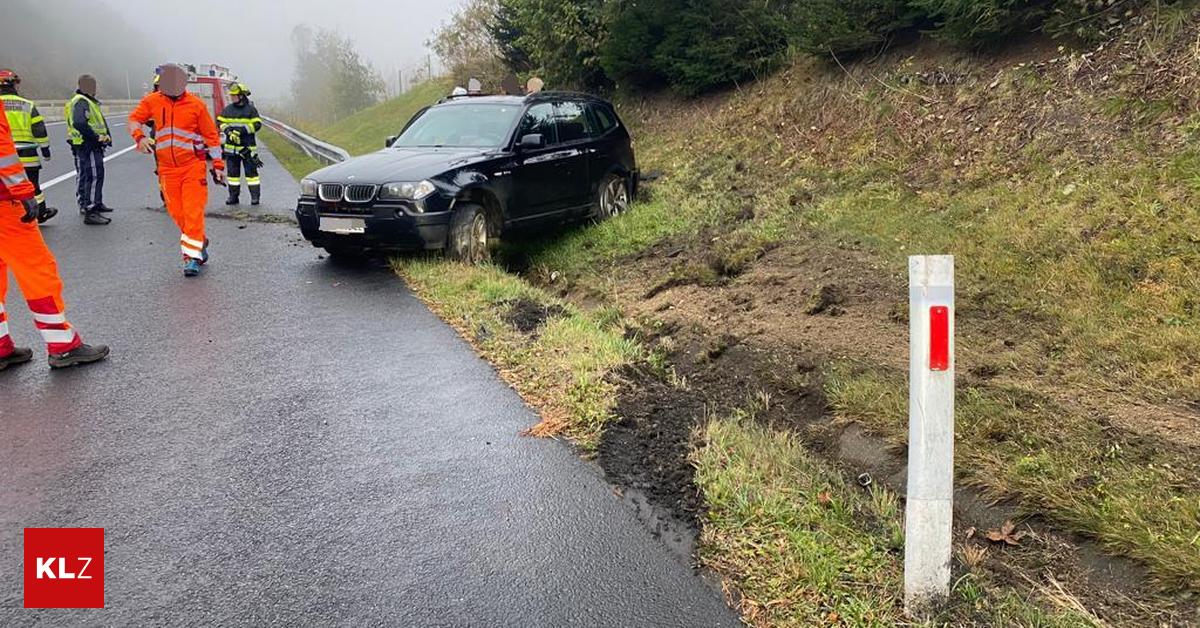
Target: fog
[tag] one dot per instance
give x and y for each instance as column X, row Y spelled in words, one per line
column 61, row 38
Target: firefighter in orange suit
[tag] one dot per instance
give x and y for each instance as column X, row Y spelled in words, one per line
column 23, row 250
column 185, row 137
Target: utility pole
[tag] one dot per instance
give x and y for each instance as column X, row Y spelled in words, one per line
column 128, row 89
column 399, row 82
column 428, row 67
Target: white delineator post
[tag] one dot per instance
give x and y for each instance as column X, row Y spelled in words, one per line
column 930, row 500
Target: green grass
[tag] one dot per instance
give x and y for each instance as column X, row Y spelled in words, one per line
column 807, row 549
column 1131, row 496
column 365, row 131
column 291, row 158
column 563, row 369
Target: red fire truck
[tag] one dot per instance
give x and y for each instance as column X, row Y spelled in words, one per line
column 211, row 83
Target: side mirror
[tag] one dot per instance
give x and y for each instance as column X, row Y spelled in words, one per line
column 391, row 139
column 532, row 141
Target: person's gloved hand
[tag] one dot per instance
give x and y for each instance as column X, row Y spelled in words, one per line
column 46, row 153
column 106, row 140
column 234, row 136
column 145, row 145
column 31, row 210
column 218, row 175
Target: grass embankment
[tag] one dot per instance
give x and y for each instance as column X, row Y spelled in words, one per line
column 1065, row 186
column 801, row 546
column 362, row 133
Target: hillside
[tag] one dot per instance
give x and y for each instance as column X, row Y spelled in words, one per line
column 362, row 132
column 735, row 347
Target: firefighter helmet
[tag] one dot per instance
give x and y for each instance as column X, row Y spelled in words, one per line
column 9, row 77
column 239, row 89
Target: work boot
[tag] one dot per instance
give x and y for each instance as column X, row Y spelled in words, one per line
column 254, row 196
column 19, row 355
column 102, row 208
column 204, row 253
column 83, row 354
column 46, row 213
column 191, row 268
column 233, row 197
column 95, row 218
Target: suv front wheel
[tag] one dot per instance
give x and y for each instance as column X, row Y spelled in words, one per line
column 469, row 240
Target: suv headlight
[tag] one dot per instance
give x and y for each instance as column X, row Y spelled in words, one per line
column 406, row 191
column 308, row 188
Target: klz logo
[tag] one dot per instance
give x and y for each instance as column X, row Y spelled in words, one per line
column 64, row 567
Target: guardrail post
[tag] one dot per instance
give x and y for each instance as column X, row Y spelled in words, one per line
column 930, row 500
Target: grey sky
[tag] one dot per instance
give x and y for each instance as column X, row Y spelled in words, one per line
column 252, row 37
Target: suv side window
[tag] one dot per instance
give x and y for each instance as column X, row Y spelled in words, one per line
column 539, row 119
column 573, row 123
column 605, row 120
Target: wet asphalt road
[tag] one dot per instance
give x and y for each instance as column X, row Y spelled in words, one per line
column 290, row 441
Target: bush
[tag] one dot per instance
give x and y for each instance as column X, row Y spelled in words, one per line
column 977, row 22
column 694, row 45
column 824, row 27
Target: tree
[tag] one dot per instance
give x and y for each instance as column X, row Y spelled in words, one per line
column 467, row 46
column 561, row 39
column 332, row 80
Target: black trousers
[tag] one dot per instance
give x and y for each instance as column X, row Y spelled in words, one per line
column 89, row 169
column 35, row 176
column 235, row 164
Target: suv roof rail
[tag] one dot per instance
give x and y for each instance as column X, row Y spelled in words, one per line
column 458, row 96
column 557, row 95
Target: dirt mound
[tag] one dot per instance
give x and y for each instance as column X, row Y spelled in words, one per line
column 528, row 316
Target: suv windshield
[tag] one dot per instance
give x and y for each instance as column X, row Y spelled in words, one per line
column 465, row 126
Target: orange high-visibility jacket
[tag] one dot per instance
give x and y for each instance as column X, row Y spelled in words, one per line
column 183, row 129
column 14, row 185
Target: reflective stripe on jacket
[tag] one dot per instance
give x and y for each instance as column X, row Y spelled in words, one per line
column 28, row 128
column 91, row 127
column 184, row 131
column 14, row 185
column 243, row 118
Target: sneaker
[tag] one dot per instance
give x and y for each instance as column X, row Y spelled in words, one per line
column 191, row 268
column 18, row 356
column 46, row 213
column 83, row 354
column 102, row 208
column 204, row 253
column 95, row 218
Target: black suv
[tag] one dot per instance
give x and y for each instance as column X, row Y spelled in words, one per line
column 471, row 168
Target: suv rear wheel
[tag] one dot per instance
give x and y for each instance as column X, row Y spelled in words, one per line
column 614, row 198
column 469, row 240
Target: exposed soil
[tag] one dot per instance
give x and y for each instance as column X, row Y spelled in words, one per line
column 528, row 316
column 759, row 339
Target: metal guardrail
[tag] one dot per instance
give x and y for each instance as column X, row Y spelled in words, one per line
column 52, row 110
column 312, row 146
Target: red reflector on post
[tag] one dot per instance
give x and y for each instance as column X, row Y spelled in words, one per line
column 939, row 338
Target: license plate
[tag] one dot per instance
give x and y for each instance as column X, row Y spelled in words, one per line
column 343, row 225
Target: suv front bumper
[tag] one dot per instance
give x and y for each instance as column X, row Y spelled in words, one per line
column 387, row 227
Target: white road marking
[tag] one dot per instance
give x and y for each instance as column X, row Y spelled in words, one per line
column 59, row 179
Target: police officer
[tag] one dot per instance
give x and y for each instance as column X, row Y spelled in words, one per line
column 87, row 132
column 240, row 123
column 30, row 135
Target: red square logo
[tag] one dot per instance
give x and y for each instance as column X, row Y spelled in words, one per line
column 64, row 567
